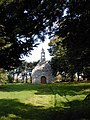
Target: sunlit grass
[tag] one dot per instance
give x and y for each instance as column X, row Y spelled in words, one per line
column 38, row 102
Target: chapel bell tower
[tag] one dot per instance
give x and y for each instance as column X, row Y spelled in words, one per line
column 42, row 55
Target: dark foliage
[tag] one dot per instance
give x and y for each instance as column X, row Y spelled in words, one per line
column 24, row 22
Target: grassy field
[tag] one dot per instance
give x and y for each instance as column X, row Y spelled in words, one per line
column 63, row 101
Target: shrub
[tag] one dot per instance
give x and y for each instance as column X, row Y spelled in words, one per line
column 3, row 76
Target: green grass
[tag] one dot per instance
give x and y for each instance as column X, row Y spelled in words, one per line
column 63, row 101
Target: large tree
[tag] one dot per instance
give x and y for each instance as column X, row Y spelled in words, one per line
column 22, row 22
column 74, row 29
column 78, row 33
column 60, row 61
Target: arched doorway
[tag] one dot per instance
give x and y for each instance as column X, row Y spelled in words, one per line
column 43, row 79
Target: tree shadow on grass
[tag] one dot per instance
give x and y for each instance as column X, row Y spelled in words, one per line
column 64, row 89
column 75, row 110
column 12, row 109
column 47, row 89
column 17, row 87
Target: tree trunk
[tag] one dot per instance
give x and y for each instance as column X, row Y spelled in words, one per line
column 72, row 77
column 78, row 76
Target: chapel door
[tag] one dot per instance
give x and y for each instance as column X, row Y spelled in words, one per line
column 43, row 79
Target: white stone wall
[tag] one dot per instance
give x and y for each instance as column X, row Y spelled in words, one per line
column 42, row 69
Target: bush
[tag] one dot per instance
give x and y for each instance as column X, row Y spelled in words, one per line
column 3, row 76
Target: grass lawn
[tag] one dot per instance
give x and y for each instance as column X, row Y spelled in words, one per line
column 62, row 101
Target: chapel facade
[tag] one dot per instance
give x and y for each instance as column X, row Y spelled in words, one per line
column 42, row 73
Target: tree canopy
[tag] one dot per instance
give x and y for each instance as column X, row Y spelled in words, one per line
column 23, row 22
column 74, row 30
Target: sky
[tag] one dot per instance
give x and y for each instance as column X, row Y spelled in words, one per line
column 36, row 53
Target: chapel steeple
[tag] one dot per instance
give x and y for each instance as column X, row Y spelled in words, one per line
column 42, row 73
column 42, row 55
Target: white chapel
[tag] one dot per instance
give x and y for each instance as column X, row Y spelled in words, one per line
column 42, row 73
